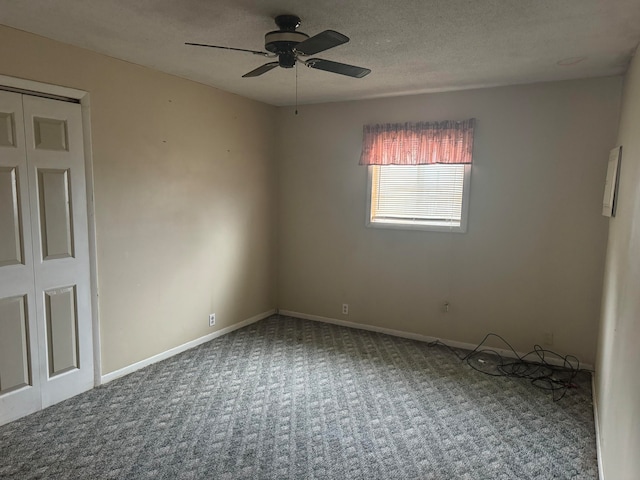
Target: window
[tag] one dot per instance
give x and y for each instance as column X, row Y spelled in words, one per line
column 424, row 197
column 419, row 174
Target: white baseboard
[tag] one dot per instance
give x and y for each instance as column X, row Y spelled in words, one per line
column 317, row 318
column 413, row 336
column 596, row 421
column 181, row 348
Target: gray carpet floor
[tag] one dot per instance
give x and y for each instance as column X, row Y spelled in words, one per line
column 294, row 399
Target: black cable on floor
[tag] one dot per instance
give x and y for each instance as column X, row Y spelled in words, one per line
column 533, row 366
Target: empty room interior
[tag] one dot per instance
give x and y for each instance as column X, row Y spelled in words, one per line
column 214, row 264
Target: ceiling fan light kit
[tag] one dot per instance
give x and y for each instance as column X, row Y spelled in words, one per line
column 289, row 45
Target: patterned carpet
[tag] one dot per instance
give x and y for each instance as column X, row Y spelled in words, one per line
column 293, row 399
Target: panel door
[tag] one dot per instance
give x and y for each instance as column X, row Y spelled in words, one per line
column 19, row 359
column 46, row 348
column 57, row 190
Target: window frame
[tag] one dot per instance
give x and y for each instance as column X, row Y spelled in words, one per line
column 423, row 226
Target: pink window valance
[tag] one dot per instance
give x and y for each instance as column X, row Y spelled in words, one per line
column 418, row 143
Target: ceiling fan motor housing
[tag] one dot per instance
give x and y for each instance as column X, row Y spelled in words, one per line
column 282, row 44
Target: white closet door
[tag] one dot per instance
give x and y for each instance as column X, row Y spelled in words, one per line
column 57, row 187
column 46, row 346
column 19, row 360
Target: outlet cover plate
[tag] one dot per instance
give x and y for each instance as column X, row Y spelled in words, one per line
column 212, row 319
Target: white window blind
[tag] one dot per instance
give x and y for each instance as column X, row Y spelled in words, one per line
column 418, row 194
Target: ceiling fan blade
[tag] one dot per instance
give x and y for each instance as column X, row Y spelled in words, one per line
column 260, row 70
column 335, row 67
column 321, row 42
column 255, row 52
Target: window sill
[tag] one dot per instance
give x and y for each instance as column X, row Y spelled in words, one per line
column 409, row 225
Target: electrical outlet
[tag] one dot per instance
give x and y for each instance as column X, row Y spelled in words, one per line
column 547, row 338
column 445, row 307
column 212, row 319
column 345, row 309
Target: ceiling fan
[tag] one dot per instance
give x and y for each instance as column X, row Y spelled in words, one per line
column 289, row 46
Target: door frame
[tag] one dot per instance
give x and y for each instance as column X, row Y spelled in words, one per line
column 46, row 89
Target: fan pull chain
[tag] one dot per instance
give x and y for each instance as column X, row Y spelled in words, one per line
column 296, row 67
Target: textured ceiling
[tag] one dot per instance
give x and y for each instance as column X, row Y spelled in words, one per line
column 412, row 46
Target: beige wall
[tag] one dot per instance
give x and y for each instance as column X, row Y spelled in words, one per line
column 617, row 378
column 532, row 260
column 184, row 201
